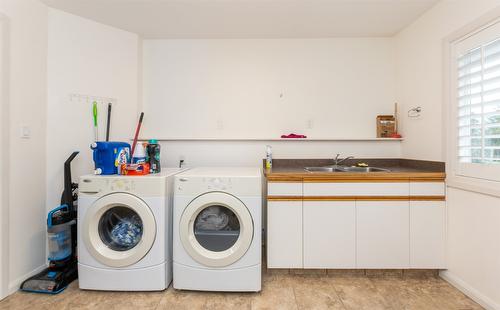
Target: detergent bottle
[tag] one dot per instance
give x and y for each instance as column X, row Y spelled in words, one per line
column 154, row 156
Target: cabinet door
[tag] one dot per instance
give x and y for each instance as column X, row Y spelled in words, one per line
column 284, row 189
column 382, row 234
column 329, row 234
column 428, row 234
column 356, row 189
column 284, row 234
column 427, row 189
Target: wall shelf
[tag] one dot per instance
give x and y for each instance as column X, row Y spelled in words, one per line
column 286, row 140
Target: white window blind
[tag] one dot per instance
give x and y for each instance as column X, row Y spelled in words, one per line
column 478, row 96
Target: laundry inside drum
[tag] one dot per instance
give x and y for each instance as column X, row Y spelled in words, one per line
column 217, row 228
column 120, row 228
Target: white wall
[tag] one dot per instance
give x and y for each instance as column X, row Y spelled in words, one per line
column 419, row 73
column 89, row 58
column 474, row 244
column 251, row 153
column 27, row 106
column 474, row 235
column 4, row 158
column 266, row 88
column 232, row 88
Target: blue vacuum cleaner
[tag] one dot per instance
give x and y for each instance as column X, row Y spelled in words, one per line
column 61, row 231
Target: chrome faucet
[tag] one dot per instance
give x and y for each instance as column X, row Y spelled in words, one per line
column 339, row 161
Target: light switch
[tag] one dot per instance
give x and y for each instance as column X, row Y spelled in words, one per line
column 25, row 132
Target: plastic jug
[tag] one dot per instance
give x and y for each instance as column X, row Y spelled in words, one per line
column 109, row 156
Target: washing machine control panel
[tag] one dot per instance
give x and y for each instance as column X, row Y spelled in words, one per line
column 103, row 185
column 148, row 186
column 119, row 185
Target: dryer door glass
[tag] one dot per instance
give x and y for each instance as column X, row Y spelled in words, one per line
column 120, row 228
column 216, row 228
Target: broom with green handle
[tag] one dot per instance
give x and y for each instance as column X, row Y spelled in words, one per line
column 94, row 113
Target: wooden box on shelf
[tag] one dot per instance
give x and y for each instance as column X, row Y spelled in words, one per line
column 386, row 126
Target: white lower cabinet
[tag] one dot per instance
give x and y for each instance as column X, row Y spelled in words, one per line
column 284, row 234
column 329, row 234
column 363, row 234
column 427, row 234
column 382, row 231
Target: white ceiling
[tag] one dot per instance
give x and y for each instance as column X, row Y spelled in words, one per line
column 153, row 19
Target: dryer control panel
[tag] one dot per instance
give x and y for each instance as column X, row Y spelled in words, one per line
column 232, row 185
column 206, row 184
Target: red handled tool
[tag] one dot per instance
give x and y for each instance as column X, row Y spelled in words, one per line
column 137, row 134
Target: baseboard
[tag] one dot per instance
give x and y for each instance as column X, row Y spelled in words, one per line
column 14, row 285
column 471, row 292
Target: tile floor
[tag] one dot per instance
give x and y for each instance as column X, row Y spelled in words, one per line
column 279, row 291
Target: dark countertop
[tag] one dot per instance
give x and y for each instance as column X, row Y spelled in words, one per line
column 293, row 170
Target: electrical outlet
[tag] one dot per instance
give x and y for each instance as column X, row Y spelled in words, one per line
column 310, row 124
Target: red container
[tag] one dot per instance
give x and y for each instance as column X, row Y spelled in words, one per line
column 134, row 169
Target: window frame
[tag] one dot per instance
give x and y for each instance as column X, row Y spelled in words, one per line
column 483, row 178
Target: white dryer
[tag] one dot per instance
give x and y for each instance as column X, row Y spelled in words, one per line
column 124, row 232
column 217, row 229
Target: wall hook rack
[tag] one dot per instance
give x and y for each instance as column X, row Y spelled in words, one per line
column 90, row 99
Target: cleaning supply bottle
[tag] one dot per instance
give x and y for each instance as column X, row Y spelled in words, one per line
column 139, row 156
column 269, row 157
column 153, row 152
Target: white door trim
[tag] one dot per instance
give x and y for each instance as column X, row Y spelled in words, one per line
column 4, row 156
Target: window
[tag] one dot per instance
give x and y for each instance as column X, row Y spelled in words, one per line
column 476, row 99
column 479, row 104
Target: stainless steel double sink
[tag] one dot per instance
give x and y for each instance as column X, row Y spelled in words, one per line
column 345, row 169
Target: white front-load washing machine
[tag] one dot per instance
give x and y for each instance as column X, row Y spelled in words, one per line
column 217, row 229
column 124, row 231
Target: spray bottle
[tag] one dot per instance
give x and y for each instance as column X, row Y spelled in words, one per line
column 139, row 156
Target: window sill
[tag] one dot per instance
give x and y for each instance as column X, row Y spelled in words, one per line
column 481, row 186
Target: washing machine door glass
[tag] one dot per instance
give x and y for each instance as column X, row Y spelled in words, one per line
column 216, row 229
column 119, row 229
